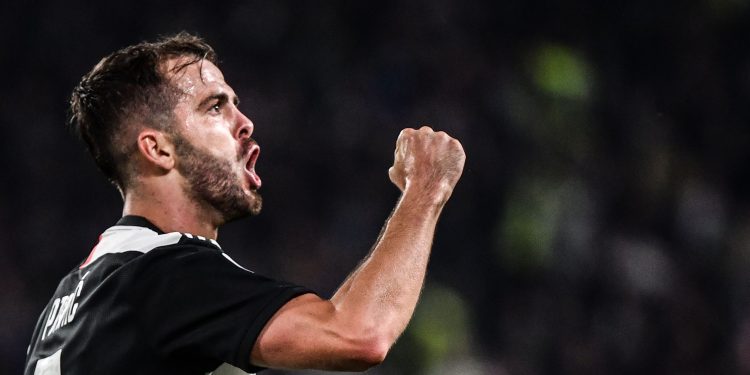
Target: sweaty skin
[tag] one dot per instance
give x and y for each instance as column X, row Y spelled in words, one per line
column 356, row 327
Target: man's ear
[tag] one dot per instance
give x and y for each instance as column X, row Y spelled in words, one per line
column 156, row 148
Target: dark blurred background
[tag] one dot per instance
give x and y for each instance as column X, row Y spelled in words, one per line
column 602, row 225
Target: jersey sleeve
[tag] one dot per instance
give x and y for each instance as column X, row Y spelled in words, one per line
column 197, row 303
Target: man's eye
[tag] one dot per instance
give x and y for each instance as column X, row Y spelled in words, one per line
column 216, row 107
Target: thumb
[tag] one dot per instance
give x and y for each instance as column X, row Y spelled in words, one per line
column 395, row 178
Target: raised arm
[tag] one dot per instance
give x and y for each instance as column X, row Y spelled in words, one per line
column 355, row 328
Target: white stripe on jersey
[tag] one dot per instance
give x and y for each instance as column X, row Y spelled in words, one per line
column 235, row 263
column 227, row 369
column 49, row 365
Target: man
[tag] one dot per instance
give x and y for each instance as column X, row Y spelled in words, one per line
column 157, row 294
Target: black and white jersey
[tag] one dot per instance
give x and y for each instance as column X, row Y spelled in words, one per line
column 148, row 302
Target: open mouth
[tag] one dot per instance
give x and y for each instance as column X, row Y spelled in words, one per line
column 252, row 177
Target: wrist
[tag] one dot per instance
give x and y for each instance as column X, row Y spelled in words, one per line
column 433, row 195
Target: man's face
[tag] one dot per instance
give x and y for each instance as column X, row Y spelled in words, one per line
column 214, row 150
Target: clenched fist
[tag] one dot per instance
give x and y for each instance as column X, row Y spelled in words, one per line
column 428, row 162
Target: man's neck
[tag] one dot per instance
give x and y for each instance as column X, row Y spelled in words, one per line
column 171, row 212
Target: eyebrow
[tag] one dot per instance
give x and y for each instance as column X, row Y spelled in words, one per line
column 222, row 97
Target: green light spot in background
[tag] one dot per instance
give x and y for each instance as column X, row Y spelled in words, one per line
column 529, row 225
column 560, row 71
column 440, row 324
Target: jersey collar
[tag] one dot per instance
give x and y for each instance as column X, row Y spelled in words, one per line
column 138, row 221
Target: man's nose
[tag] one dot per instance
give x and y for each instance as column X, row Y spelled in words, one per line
column 245, row 127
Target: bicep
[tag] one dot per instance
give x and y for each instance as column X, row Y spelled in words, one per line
column 309, row 332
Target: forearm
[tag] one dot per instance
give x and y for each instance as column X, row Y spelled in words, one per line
column 380, row 295
column 356, row 327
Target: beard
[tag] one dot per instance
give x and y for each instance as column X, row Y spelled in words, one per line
column 214, row 182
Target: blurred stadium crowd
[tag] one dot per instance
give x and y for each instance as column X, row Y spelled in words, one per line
column 602, row 225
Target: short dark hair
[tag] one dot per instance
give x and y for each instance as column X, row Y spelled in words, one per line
column 130, row 85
